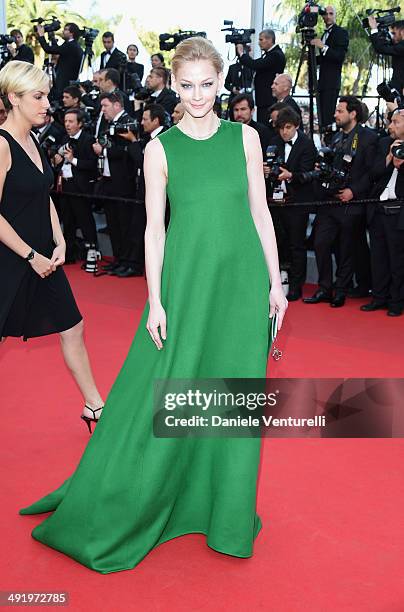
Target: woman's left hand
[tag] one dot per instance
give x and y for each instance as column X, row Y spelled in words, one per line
column 58, row 255
column 277, row 303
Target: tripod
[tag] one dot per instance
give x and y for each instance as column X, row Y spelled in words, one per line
column 307, row 48
column 385, row 63
column 87, row 55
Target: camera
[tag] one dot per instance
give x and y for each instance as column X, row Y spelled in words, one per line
column 398, row 151
column 390, row 94
column 6, row 40
column 53, row 25
column 71, row 145
column 274, row 162
column 308, row 18
column 331, row 178
column 89, row 35
column 238, row 36
column 170, row 41
column 384, row 18
column 106, row 139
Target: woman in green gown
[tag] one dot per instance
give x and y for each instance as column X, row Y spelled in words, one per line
column 213, row 282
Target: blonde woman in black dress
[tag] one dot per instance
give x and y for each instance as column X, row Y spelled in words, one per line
column 36, row 296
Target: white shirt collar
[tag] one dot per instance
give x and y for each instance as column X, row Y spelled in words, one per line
column 154, row 133
column 295, row 137
column 110, row 52
column 156, row 93
column 271, row 49
column 76, row 136
column 118, row 115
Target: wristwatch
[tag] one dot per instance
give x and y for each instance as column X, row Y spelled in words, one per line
column 30, row 255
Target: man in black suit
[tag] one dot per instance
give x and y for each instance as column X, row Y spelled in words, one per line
column 393, row 48
column 78, row 166
column 238, row 80
column 281, row 88
column 354, row 147
column 271, row 63
column 333, row 47
column 242, row 109
column 118, row 179
column 69, row 53
column 21, row 52
column 386, row 225
column 108, row 82
column 111, row 57
column 299, row 154
column 157, row 83
column 132, row 66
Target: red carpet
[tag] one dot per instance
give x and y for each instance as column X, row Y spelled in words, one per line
column 332, row 538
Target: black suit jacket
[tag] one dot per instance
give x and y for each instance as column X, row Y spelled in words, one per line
column 86, row 169
column 135, row 68
column 381, row 175
column 167, row 98
column 121, row 165
column 234, row 77
column 396, row 51
column 266, row 68
column 25, row 54
column 70, row 54
column 293, row 104
column 264, row 133
column 360, row 175
column 117, row 59
column 331, row 63
column 302, row 158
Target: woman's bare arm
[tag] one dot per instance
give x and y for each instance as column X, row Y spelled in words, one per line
column 155, row 173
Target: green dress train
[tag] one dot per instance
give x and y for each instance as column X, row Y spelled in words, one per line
column 132, row 491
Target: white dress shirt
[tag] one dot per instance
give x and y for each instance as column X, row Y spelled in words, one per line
column 67, row 166
column 324, row 39
column 288, row 149
column 389, row 192
column 107, row 171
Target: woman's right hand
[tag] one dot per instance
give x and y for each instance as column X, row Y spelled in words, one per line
column 42, row 265
column 156, row 319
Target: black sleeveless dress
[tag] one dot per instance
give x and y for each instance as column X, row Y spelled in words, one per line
column 30, row 305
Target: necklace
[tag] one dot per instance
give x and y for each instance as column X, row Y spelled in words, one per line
column 205, row 136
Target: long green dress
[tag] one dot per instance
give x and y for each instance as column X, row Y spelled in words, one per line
column 132, row 491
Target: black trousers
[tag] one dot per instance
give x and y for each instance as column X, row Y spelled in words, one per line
column 118, row 216
column 295, row 224
column 334, row 224
column 328, row 101
column 387, row 259
column 133, row 239
column 76, row 214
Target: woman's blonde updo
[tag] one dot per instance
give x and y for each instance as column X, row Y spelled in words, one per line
column 20, row 78
column 196, row 48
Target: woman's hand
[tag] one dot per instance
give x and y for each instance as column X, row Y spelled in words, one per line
column 156, row 319
column 42, row 265
column 277, row 303
column 58, row 255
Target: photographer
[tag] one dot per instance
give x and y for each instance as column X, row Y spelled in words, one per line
column 69, row 54
column 353, row 150
column 21, row 51
column 108, row 82
column 77, row 164
column 299, row 155
column 393, row 48
column 239, row 78
column 71, row 97
column 157, row 83
column 117, row 179
column 242, row 109
column 132, row 66
column 266, row 68
column 386, row 223
column 111, row 57
column 333, row 47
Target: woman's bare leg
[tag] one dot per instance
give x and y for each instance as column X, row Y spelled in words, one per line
column 76, row 358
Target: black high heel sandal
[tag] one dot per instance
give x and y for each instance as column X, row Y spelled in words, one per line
column 90, row 420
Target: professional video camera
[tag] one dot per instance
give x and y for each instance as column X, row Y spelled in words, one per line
column 274, row 162
column 384, row 18
column 390, row 94
column 308, row 18
column 52, row 24
column 6, row 40
column 89, row 35
column 238, row 36
column 176, row 38
column 331, row 178
column 398, row 150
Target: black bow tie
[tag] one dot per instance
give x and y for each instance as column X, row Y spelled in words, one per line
column 290, row 143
